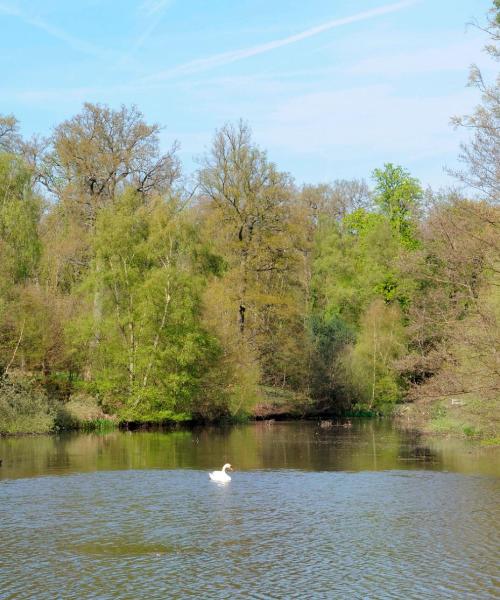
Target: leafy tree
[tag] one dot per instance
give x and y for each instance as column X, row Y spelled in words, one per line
column 357, row 261
column 153, row 351
column 398, row 195
column 357, row 269
column 367, row 368
column 20, row 211
column 456, row 275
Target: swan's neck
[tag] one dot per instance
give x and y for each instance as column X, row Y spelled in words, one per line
column 224, row 469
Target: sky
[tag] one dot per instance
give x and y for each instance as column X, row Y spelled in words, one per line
column 331, row 89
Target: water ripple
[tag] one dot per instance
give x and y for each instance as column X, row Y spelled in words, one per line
column 270, row 534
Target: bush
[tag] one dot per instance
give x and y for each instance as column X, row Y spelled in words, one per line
column 24, row 408
column 83, row 412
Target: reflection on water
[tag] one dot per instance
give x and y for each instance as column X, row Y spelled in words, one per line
column 366, row 445
column 312, row 512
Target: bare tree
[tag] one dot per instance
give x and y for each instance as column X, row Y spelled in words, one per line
column 100, row 151
column 10, row 140
column 336, row 199
column 481, row 155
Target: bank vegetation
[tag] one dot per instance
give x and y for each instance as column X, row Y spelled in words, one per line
column 130, row 292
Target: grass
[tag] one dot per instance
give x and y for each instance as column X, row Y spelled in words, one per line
column 467, row 416
column 98, row 425
column 494, row 441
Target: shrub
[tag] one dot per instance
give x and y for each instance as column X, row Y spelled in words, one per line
column 24, row 408
column 82, row 411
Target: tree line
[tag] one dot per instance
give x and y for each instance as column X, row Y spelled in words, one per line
column 163, row 297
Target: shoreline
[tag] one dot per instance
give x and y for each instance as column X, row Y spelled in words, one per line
column 325, row 421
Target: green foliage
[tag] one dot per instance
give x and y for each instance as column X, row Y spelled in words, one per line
column 398, row 196
column 357, row 261
column 330, row 336
column 20, row 212
column 126, row 302
column 146, row 348
column 251, row 213
column 358, row 282
column 469, row 431
column 368, row 374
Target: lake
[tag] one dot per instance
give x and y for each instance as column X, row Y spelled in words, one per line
column 360, row 511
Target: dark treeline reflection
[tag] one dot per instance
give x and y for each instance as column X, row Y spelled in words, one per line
column 344, row 446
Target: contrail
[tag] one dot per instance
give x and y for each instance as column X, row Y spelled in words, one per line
column 55, row 32
column 156, row 11
column 217, row 60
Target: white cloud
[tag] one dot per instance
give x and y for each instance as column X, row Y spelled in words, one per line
column 451, row 57
column 363, row 121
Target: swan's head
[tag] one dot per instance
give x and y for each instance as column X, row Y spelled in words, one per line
column 227, row 467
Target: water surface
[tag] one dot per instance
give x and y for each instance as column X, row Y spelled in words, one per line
column 365, row 511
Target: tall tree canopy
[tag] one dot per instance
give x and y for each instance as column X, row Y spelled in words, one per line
column 99, row 152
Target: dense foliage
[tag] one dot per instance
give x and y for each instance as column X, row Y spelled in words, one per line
column 122, row 287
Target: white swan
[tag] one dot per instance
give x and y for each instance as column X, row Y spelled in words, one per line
column 221, row 476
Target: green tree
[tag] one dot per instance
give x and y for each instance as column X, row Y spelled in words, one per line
column 153, row 351
column 355, row 262
column 358, row 268
column 398, row 196
column 367, row 370
column 90, row 160
column 20, row 211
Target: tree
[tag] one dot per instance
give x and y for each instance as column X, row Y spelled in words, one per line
column 355, row 262
column 250, row 196
column 10, row 140
column 456, row 275
column 481, row 155
column 397, row 196
column 153, row 350
column 334, row 200
column 357, row 270
column 248, row 210
column 367, row 370
column 20, row 211
column 355, row 266
column 89, row 161
column 98, row 153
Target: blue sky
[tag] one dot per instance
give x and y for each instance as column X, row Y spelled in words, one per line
column 332, row 89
